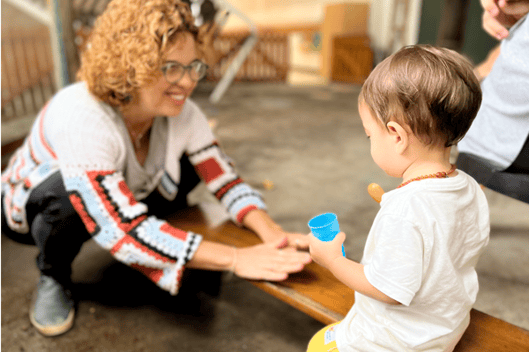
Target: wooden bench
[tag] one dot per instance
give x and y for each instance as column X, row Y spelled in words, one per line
column 316, row 292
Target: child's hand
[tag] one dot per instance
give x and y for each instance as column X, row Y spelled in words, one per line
column 324, row 253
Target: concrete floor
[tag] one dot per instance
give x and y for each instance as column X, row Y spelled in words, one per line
column 310, row 143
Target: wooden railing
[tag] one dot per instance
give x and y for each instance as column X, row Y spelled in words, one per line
column 27, row 66
column 27, row 73
column 268, row 60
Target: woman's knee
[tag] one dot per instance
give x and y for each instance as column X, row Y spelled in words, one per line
column 49, row 212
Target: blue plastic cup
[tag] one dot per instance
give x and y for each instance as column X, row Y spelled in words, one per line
column 325, row 227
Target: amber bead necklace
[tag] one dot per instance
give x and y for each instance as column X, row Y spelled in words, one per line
column 441, row 174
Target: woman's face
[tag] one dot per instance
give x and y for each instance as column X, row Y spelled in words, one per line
column 161, row 98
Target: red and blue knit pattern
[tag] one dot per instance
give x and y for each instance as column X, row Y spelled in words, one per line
column 217, row 171
column 121, row 225
column 107, row 207
column 32, row 163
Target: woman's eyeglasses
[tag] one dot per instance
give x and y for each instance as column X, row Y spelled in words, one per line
column 173, row 71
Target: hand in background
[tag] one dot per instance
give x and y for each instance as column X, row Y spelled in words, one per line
column 500, row 15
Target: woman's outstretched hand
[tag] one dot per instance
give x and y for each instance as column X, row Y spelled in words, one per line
column 270, row 232
column 271, row 261
column 294, row 240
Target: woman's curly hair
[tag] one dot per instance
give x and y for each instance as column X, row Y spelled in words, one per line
column 128, row 45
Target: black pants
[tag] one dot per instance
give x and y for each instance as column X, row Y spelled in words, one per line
column 520, row 165
column 57, row 230
column 512, row 182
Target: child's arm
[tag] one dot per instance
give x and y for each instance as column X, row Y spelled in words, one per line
column 351, row 273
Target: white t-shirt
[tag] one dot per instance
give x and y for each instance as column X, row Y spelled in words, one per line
column 421, row 251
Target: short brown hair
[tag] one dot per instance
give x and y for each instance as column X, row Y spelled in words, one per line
column 128, row 43
column 432, row 90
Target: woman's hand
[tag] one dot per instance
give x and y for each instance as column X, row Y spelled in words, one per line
column 324, row 253
column 271, row 261
column 269, row 231
column 294, row 240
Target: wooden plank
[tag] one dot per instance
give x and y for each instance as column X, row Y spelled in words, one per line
column 260, row 65
column 300, row 302
column 9, row 149
column 7, row 80
column 316, row 292
column 277, row 30
column 263, row 54
column 329, row 298
column 486, row 333
column 23, row 71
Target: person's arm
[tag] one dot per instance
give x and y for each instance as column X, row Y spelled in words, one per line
column 243, row 203
column 269, row 231
column 160, row 250
column 483, row 69
column 351, row 273
column 122, row 226
column 269, row 261
column 91, row 151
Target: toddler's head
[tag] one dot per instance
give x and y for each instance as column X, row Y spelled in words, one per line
column 431, row 90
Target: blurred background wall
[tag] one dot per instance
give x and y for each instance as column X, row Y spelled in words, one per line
column 298, row 42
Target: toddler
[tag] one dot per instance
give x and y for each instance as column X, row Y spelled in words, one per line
column 417, row 281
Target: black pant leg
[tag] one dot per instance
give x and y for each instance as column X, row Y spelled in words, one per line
column 520, row 165
column 56, row 228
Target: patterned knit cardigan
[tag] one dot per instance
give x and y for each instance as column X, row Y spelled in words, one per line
column 87, row 141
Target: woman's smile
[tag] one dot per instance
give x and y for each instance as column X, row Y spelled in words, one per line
column 177, row 98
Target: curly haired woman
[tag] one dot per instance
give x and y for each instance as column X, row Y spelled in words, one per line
column 110, row 155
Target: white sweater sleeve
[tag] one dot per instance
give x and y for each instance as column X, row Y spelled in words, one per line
column 218, row 172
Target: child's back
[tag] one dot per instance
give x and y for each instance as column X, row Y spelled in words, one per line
column 417, row 281
column 429, row 267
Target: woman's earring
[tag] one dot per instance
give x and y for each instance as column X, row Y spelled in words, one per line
column 127, row 99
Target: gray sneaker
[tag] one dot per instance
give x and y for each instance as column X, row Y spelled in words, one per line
column 52, row 310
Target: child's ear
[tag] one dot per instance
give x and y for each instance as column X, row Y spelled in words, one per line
column 399, row 135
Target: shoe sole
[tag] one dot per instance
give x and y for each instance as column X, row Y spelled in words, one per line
column 56, row 329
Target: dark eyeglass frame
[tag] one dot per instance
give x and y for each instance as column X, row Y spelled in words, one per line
column 186, row 69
